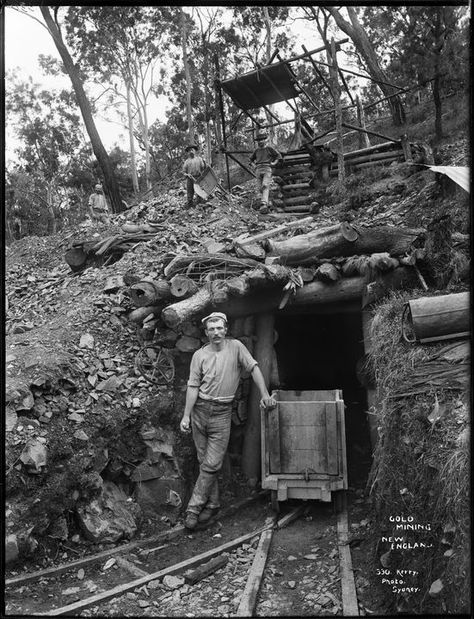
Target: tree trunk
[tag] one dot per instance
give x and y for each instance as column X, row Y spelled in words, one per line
column 136, row 187
column 305, row 249
column 268, row 28
column 438, row 46
column 263, row 354
column 187, row 74
column 364, row 141
column 363, row 45
column 336, row 89
column 52, row 224
column 111, row 184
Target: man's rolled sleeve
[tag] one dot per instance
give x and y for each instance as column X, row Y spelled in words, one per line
column 246, row 361
column 194, row 372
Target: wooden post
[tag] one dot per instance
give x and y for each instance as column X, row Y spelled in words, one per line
column 221, row 109
column 406, row 147
column 364, row 141
column 264, row 326
column 336, row 87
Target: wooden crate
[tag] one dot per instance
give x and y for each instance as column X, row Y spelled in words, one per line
column 304, row 445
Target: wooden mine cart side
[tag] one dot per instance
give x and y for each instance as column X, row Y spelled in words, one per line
column 304, row 445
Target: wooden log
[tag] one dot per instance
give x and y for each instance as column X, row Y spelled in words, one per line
column 76, row 258
column 250, row 250
column 297, row 201
column 384, row 146
column 294, row 186
column 440, row 317
column 138, row 315
column 191, row 577
column 183, row 286
column 328, row 242
column 350, row 288
column 298, row 208
column 315, row 293
column 390, row 154
column 290, row 170
column 145, row 292
column 184, row 310
column 269, row 233
column 263, row 355
column 238, row 286
column 327, row 272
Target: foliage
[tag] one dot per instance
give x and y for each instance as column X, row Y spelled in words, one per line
column 420, row 464
column 50, row 137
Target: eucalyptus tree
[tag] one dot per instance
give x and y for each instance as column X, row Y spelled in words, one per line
column 423, row 45
column 125, row 49
column 47, row 128
column 55, row 29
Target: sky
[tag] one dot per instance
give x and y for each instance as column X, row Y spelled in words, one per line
column 26, row 39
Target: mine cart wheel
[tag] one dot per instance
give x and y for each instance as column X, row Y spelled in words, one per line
column 155, row 364
column 275, row 502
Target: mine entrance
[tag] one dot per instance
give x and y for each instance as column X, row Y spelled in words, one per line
column 320, row 351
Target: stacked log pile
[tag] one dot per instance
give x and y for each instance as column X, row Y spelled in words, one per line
column 320, row 266
column 384, row 153
column 294, row 178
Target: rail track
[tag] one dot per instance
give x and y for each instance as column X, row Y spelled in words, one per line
column 245, row 556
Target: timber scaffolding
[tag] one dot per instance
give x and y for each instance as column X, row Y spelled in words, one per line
column 312, row 162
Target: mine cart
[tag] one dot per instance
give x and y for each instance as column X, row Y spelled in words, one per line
column 304, row 445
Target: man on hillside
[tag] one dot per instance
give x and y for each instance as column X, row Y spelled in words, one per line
column 98, row 207
column 264, row 157
column 213, row 380
column 192, row 168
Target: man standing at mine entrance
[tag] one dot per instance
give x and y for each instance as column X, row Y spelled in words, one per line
column 213, row 380
column 264, row 157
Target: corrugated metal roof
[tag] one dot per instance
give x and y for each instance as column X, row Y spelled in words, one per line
column 268, row 85
column 458, row 174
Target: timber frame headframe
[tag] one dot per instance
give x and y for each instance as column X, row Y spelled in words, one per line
column 277, row 81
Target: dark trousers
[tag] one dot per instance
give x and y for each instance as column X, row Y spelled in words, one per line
column 190, row 190
column 210, row 423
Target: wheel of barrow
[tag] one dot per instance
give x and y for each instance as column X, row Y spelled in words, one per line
column 155, row 364
column 275, row 502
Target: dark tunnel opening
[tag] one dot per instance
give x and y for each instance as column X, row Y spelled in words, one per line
column 320, row 351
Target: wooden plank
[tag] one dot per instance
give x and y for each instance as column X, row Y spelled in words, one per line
column 293, row 515
column 350, row 606
column 269, row 233
column 193, row 576
column 249, row 596
column 327, row 395
column 172, row 569
column 331, row 437
column 124, row 549
column 264, row 455
column 343, row 455
column 274, row 439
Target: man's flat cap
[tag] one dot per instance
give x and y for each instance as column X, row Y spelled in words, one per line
column 214, row 315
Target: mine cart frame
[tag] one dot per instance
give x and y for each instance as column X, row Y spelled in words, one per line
column 304, row 445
